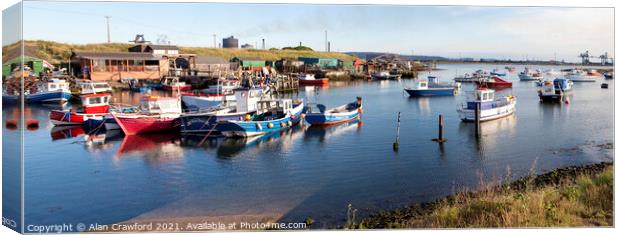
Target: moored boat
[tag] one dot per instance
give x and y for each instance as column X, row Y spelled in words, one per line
column 556, row 90
column 529, row 75
column 309, row 79
column 490, row 107
column 272, row 115
column 94, row 106
column 496, row 72
column 578, row 75
column 337, row 115
column 429, row 87
column 156, row 114
column 474, row 77
column 385, row 75
column 55, row 90
column 91, row 87
column 494, row 82
column 205, row 120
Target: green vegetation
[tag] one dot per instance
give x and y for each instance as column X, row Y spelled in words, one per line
column 562, row 198
column 56, row 52
column 298, row 48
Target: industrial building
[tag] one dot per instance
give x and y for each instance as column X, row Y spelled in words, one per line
column 230, row 42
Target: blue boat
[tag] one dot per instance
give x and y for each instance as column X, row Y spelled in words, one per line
column 491, row 108
column 430, row 87
column 272, row 115
column 563, row 84
column 341, row 114
column 204, row 119
column 44, row 92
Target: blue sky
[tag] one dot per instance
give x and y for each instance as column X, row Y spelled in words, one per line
column 500, row 32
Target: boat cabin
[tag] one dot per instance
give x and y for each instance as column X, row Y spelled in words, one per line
column 484, row 95
column 422, row 84
column 276, row 107
column 56, row 85
column 89, row 87
column 157, row 105
column 96, row 103
column 246, row 99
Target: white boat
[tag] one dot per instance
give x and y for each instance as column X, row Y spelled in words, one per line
column 90, row 87
column 529, row 75
column 223, row 87
column 490, row 107
column 385, row 75
column 578, row 75
column 474, row 77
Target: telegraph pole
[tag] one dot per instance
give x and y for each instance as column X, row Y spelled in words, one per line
column 107, row 20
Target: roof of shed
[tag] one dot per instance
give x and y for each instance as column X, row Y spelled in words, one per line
column 115, row 55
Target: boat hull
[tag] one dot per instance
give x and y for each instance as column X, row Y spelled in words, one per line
column 322, row 81
column 139, row 124
column 44, row 97
column 206, row 123
column 66, row 118
column 468, row 115
column 319, row 119
column 431, row 92
column 255, row 128
column 174, row 88
column 204, row 102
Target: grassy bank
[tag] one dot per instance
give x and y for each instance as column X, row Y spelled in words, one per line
column 574, row 196
column 56, row 52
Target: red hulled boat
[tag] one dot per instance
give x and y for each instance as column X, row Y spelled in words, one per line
column 309, row 79
column 93, row 106
column 494, row 82
column 156, row 114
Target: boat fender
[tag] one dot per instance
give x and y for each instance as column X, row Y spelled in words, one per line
column 282, row 124
column 258, row 126
column 248, row 117
column 360, row 110
column 289, row 123
column 303, row 115
column 270, row 125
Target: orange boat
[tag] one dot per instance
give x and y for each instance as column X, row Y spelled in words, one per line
column 309, row 79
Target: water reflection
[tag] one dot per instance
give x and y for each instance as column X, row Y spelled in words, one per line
column 66, row 132
column 155, row 149
column 323, row 133
column 491, row 133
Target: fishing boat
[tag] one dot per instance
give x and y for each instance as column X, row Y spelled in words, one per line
column 474, row 77
column 609, row 75
column 54, row 90
column 309, row 79
column 90, row 87
column 529, row 75
column 494, row 82
column 155, row 114
column 552, row 73
column 552, row 91
column 205, row 120
column 385, row 75
column 338, row 115
column 578, row 75
column 490, row 107
column 216, row 95
column 271, row 115
column 430, row 87
column 173, row 84
column 135, row 86
column 94, row 106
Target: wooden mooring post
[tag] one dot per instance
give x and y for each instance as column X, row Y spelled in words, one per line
column 396, row 144
column 477, row 120
column 440, row 138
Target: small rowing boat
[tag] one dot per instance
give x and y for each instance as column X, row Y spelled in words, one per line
column 341, row 114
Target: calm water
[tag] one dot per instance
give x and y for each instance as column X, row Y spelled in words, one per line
column 306, row 171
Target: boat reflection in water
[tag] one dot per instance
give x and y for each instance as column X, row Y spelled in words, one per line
column 155, row 148
column 323, row 133
column 66, row 132
column 231, row 147
column 491, row 132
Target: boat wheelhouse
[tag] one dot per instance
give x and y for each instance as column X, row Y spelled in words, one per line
column 54, row 90
column 91, row 87
column 490, row 107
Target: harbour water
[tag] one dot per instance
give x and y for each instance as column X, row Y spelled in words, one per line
column 308, row 171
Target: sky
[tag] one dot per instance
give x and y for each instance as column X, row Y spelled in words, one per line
column 450, row 31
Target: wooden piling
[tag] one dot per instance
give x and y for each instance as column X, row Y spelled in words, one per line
column 477, row 120
column 396, row 144
column 440, row 138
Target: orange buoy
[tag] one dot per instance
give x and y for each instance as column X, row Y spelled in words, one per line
column 11, row 124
